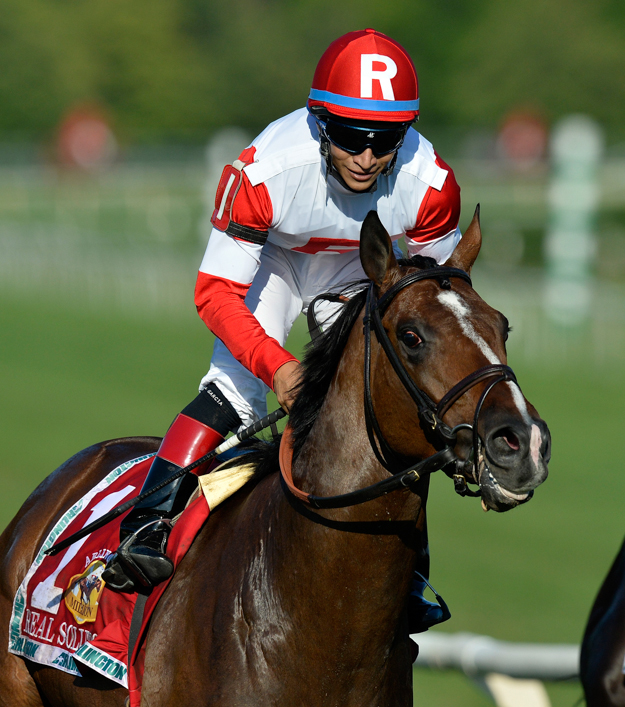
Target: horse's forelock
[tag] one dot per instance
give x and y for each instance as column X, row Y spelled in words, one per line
column 421, row 262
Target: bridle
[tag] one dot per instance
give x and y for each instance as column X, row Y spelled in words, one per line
column 431, row 414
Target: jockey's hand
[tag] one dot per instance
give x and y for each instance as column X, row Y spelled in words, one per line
column 284, row 380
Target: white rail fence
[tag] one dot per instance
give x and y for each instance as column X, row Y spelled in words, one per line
column 511, row 673
column 132, row 240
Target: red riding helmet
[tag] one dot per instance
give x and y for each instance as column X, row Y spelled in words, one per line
column 367, row 76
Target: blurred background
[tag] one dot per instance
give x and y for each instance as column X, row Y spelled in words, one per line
column 117, row 119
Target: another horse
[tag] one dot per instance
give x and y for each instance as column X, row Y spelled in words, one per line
column 279, row 603
column 603, row 645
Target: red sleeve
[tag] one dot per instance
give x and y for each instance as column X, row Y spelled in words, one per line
column 220, row 302
column 439, row 212
column 221, row 305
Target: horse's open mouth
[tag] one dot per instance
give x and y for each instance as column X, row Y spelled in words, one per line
column 494, row 495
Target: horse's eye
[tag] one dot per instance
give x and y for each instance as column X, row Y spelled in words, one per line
column 410, row 339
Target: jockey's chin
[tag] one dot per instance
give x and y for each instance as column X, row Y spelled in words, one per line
column 359, row 172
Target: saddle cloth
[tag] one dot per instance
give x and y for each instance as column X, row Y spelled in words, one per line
column 63, row 614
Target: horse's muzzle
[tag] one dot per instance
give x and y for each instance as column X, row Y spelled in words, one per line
column 512, row 462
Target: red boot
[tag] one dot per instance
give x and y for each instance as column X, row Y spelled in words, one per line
column 197, row 430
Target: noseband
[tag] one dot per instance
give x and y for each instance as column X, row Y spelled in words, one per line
column 431, row 414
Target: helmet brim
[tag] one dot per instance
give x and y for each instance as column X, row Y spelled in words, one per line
column 406, row 116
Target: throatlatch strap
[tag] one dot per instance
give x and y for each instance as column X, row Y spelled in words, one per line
column 403, row 479
column 286, row 461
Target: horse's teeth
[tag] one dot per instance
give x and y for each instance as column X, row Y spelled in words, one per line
column 514, row 496
column 483, row 467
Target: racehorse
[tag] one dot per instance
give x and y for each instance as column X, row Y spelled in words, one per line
column 603, row 646
column 284, row 599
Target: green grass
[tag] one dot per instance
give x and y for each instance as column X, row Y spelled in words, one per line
column 70, row 378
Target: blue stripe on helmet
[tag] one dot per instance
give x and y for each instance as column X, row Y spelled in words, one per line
column 363, row 103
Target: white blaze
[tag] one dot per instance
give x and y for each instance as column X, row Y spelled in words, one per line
column 454, row 302
column 536, row 441
column 368, row 75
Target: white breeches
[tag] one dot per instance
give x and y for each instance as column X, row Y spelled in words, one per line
column 284, row 286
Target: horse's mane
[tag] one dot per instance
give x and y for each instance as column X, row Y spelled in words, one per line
column 321, row 359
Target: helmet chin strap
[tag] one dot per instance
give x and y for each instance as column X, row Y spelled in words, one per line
column 390, row 166
column 324, row 149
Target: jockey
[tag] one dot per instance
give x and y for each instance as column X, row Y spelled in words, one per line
column 286, row 228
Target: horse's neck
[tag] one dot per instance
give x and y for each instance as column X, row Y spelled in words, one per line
column 368, row 571
column 337, row 456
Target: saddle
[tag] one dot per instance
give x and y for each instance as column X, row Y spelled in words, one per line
column 65, row 617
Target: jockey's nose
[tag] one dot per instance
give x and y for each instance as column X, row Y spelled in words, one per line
column 365, row 160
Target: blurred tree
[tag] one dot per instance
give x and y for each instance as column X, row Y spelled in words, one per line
column 180, row 69
column 129, row 57
column 263, row 53
column 548, row 55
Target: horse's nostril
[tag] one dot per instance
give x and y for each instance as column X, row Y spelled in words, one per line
column 512, row 441
column 504, row 443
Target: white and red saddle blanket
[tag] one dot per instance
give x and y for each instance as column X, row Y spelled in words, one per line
column 63, row 614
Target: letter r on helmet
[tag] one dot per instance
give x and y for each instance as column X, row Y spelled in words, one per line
column 368, row 75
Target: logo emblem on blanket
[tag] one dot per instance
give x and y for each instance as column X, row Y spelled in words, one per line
column 83, row 592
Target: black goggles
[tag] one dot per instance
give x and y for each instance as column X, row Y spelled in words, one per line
column 354, row 139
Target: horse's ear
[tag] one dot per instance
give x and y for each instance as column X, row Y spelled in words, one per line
column 469, row 246
column 376, row 249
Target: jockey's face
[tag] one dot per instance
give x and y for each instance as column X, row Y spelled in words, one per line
column 359, row 172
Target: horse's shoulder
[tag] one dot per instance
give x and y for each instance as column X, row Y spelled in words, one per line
column 236, row 528
column 229, row 550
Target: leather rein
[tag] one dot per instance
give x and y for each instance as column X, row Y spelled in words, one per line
column 431, row 414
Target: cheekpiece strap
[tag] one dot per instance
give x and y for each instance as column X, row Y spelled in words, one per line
column 496, row 369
